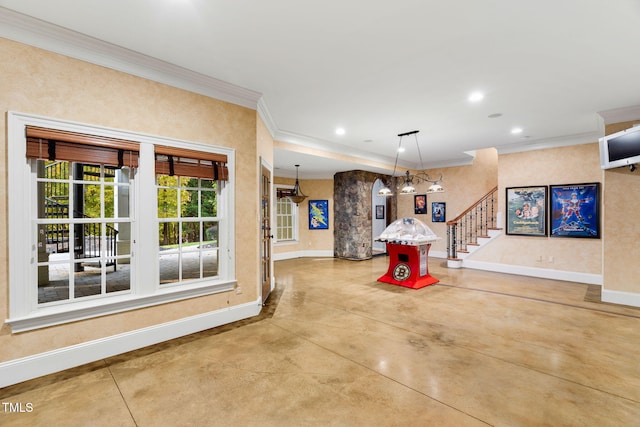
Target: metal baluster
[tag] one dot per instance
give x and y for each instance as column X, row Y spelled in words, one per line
column 482, row 218
column 493, row 224
column 454, row 253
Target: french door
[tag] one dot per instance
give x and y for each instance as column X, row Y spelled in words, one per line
column 266, row 236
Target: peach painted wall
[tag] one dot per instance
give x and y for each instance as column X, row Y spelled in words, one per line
column 464, row 185
column 310, row 240
column 265, row 142
column 621, row 229
column 39, row 82
column 564, row 165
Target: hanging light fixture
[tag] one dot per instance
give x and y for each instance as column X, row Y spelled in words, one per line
column 385, row 191
column 297, row 196
column 408, row 181
column 407, row 187
column 434, row 187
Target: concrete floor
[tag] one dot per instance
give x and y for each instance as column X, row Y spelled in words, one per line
column 334, row 347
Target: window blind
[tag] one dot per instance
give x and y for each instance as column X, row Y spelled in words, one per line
column 54, row 144
column 284, row 192
column 197, row 164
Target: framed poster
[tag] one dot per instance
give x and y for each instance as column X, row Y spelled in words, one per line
column 575, row 210
column 420, row 204
column 379, row 211
column 438, row 211
column 318, row 214
column 526, row 210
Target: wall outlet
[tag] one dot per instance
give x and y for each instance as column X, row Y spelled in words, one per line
column 550, row 260
column 238, row 290
column 539, row 258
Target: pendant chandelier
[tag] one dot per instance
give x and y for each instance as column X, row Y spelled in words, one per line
column 296, row 195
column 407, row 186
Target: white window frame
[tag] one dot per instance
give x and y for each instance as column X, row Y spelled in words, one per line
column 181, row 220
column 296, row 219
column 72, row 220
column 24, row 313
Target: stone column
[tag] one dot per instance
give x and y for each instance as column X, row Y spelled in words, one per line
column 353, row 213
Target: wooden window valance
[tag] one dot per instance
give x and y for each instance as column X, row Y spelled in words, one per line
column 284, row 192
column 191, row 163
column 53, row 144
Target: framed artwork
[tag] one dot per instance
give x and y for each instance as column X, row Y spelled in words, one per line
column 575, row 210
column 526, row 210
column 379, row 211
column 420, row 204
column 318, row 214
column 438, row 211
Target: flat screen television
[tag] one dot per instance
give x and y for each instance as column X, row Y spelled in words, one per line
column 620, row 148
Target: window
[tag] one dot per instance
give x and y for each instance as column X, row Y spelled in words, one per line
column 103, row 221
column 82, row 214
column 286, row 216
column 187, row 228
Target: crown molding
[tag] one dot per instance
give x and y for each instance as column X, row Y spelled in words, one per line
column 267, row 118
column 465, row 159
column 331, row 147
column 34, row 32
column 44, row 35
column 541, row 144
column 617, row 115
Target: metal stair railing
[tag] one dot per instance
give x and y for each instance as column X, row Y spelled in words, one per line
column 474, row 222
column 88, row 236
column 88, row 240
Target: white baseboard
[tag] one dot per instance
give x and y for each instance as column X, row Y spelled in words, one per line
column 619, row 297
column 544, row 273
column 325, row 254
column 30, row 367
column 438, row 254
column 302, row 254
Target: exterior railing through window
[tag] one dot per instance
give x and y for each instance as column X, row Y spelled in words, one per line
column 88, row 241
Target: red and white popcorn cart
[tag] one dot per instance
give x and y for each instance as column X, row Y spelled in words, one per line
column 408, row 242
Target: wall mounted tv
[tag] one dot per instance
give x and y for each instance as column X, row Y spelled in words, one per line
column 620, row 148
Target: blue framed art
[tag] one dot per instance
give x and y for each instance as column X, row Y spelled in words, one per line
column 318, row 214
column 575, row 210
column 438, row 211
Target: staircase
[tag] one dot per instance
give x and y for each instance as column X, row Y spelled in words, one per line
column 472, row 229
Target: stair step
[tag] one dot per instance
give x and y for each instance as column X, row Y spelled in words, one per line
column 476, row 232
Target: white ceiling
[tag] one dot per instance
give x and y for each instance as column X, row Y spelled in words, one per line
column 375, row 68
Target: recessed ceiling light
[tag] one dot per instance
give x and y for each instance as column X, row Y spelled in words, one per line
column 516, row 131
column 340, row 131
column 400, row 149
column 476, row 97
